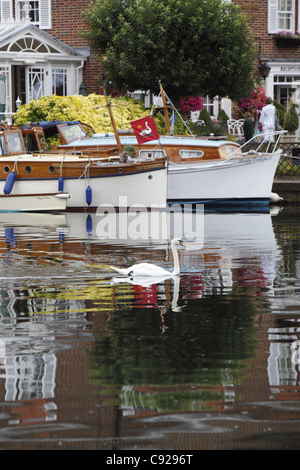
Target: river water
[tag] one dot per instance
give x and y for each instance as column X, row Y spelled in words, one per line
column 209, row 360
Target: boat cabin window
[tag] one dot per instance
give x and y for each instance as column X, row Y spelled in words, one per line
column 69, row 132
column 41, row 142
column 228, row 149
column 13, row 142
column 191, row 153
column 151, row 154
column 34, row 141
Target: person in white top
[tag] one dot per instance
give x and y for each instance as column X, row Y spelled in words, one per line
column 268, row 120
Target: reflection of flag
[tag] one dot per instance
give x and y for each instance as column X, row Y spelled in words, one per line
column 145, row 130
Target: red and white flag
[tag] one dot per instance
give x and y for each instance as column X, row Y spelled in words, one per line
column 145, row 130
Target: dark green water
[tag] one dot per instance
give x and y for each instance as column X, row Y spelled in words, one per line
column 88, row 361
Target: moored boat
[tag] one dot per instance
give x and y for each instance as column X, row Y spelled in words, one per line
column 90, row 182
column 42, row 202
column 200, row 170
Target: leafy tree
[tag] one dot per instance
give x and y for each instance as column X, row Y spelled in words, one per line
column 192, row 46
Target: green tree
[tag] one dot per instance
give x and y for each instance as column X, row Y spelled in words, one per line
column 191, row 46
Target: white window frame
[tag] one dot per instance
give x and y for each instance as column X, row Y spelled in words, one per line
column 273, row 17
column 45, row 20
column 22, row 15
column 56, row 71
column 211, row 105
column 6, row 70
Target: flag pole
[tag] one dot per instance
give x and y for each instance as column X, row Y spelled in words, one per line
column 120, row 148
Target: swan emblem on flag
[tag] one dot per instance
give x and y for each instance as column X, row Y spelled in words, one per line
column 146, row 131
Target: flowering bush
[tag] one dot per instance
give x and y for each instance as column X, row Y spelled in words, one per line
column 191, row 103
column 257, row 99
column 89, row 109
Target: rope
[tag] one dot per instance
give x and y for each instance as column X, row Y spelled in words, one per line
column 16, row 165
column 82, row 174
column 61, row 165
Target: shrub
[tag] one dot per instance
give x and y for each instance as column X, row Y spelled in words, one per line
column 222, row 116
column 288, row 119
column 204, row 116
column 89, row 109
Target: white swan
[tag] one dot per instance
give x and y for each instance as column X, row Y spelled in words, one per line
column 148, row 269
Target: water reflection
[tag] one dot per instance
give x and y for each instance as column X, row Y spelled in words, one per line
column 89, row 356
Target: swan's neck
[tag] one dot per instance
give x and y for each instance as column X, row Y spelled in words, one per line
column 176, row 269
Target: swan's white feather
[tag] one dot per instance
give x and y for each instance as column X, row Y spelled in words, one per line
column 149, row 269
column 142, row 269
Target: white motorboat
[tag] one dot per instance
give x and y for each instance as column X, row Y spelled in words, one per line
column 200, row 170
column 42, row 202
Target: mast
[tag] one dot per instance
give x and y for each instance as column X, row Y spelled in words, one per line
column 165, row 109
column 108, row 105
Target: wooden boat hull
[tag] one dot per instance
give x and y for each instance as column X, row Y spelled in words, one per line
column 33, row 202
column 139, row 184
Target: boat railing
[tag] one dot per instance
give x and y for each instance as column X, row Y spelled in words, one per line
column 264, row 139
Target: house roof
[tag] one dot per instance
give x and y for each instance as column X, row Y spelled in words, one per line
column 26, row 38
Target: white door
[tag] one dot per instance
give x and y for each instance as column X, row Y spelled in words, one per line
column 36, row 83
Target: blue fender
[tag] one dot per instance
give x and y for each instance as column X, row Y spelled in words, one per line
column 60, row 184
column 9, row 183
column 88, row 195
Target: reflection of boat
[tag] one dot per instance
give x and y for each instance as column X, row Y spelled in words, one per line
column 33, row 202
column 32, row 219
column 90, row 182
column 224, row 259
column 230, row 241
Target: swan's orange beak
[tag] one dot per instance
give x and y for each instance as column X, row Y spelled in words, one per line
column 181, row 243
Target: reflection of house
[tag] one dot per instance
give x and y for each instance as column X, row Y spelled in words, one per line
column 42, row 51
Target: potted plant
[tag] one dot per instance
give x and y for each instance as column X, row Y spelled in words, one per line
column 189, row 104
column 128, row 153
column 287, row 39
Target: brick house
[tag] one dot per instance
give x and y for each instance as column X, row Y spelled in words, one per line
column 267, row 18
column 42, row 51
